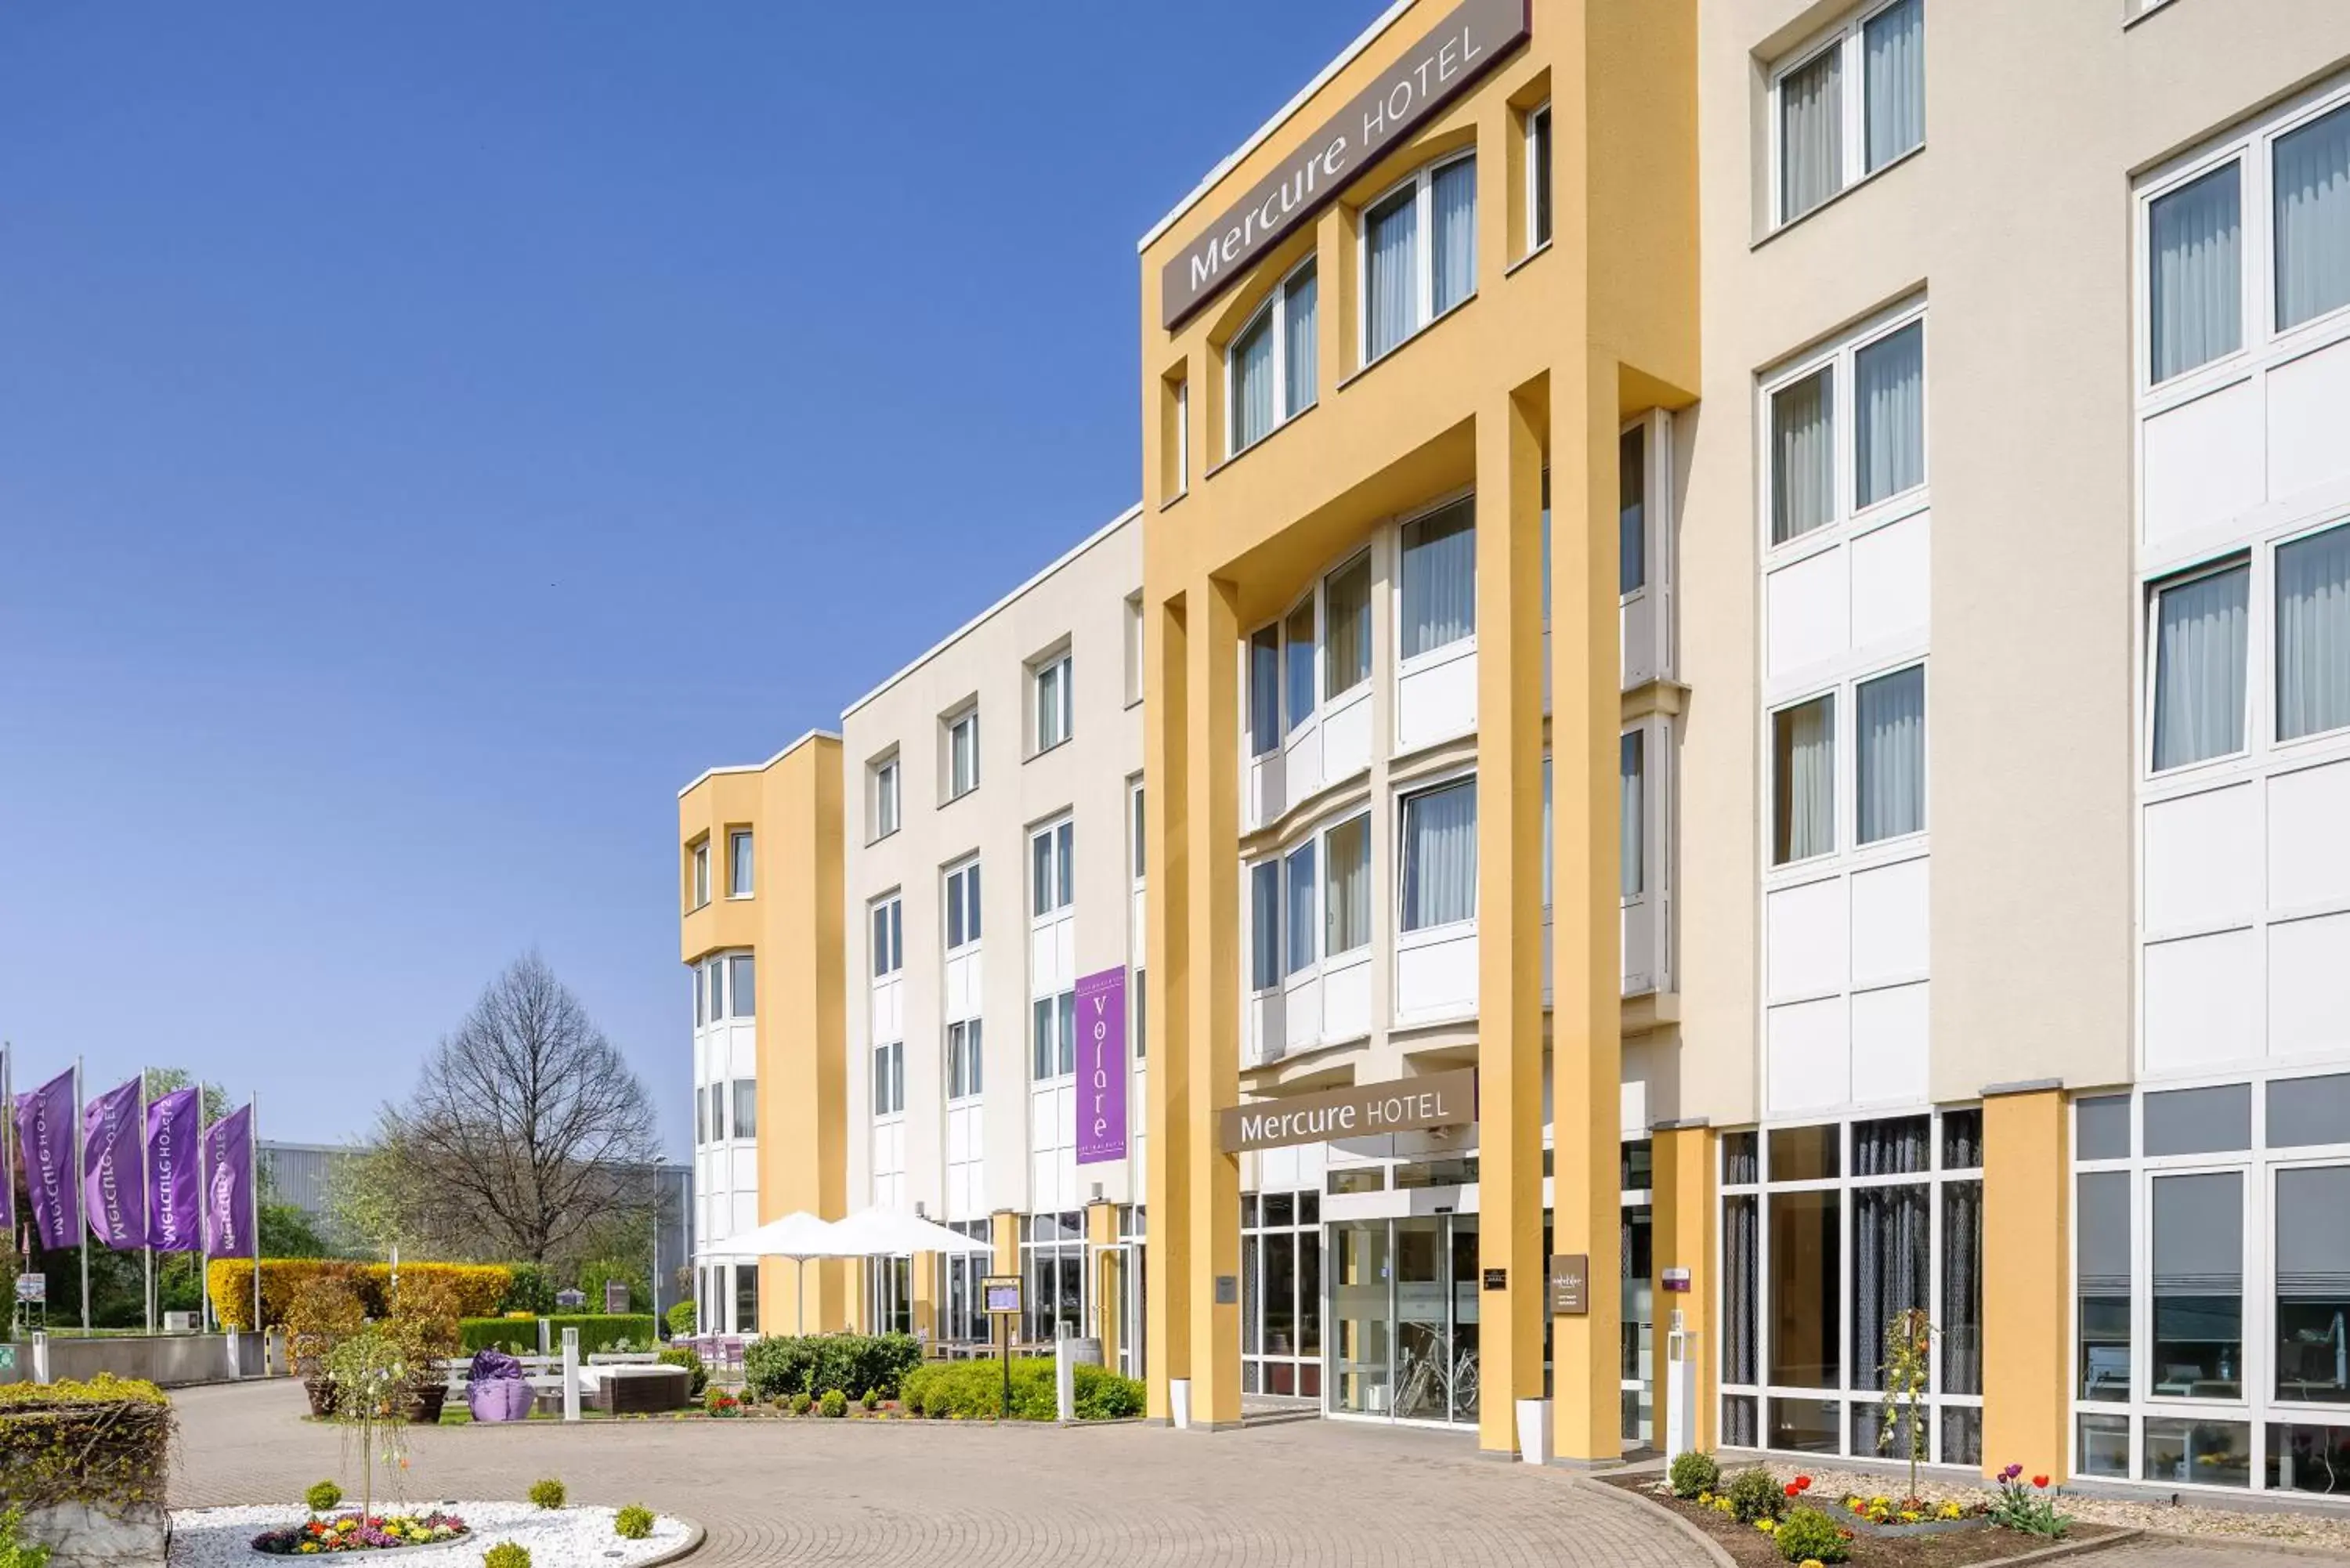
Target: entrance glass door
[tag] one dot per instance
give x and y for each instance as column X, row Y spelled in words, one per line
column 1404, row 1318
column 1359, row 1317
column 1422, row 1310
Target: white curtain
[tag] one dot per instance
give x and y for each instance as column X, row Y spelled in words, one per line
column 1440, row 856
column 1890, row 454
column 1803, row 457
column 2197, row 283
column 1394, row 292
column 1631, row 516
column 1252, row 389
column 1301, row 907
column 1347, row 652
column 1346, row 901
column 1631, row 765
column 1894, row 46
column 1803, row 801
column 1300, row 348
column 2312, row 220
column 1811, row 134
column 2198, row 686
column 2313, row 635
column 1265, row 926
column 1892, row 755
column 1440, row 578
column 1455, row 196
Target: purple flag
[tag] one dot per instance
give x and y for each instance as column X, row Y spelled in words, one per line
column 1101, row 1066
column 45, row 1140
column 230, row 1220
column 8, row 1178
column 174, row 1187
column 111, row 1191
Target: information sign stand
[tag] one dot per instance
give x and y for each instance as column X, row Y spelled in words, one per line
column 1001, row 1294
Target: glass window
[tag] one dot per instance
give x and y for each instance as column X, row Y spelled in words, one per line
column 962, row 904
column 2313, row 635
column 1298, row 654
column 2199, row 1287
column 1439, row 855
column 885, row 799
column 1806, row 1154
column 1050, row 880
column 2198, row 683
column 1803, row 792
column 888, row 937
column 746, row 1108
column 2101, row 1233
column 965, row 1058
column 1889, row 415
column 2101, row 1127
column 2308, row 1458
column 1346, row 655
column 742, row 985
column 1412, row 279
column 718, row 1113
column 1805, row 1292
column 2195, row 235
column 1135, row 805
column 2312, row 1283
column 701, row 1114
column 1439, row 579
column 1055, row 1021
column 1300, row 341
column 1893, row 49
column 889, row 1078
column 1265, row 924
column 1254, row 376
column 1802, row 456
column 702, row 874
column 1538, row 165
column 1300, row 874
column 1962, row 1306
column 963, row 755
column 2312, row 220
column 1811, row 133
column 701, row 995
column 1264, row 688
column 738, row 863
column 2206, row 1453
column 1346, row 901
column 2200, row 1121
column 2305, row 1111
column 746, row 1298
column 1055, row 704
column 1391, row 250
column 2104, row 1442
column 1891, row 755
column 1631, row 761
column 1631, row 514
column 1454, row 251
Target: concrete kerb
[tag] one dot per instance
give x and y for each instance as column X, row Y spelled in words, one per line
column 686, row 1547
column 1707, row 1543
column 2284, row 1549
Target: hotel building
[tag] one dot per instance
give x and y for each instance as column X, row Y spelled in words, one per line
column 1728, row 706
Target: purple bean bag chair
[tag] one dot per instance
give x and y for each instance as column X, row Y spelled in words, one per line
column 496, row 1389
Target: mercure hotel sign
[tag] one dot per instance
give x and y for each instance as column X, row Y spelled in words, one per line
column 1403, row 1105
column 1462, row 47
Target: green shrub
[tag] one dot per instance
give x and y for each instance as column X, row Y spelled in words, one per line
column 597, row 1331
column 595, row 1275
column 547, row 1493
column 323, row 1498
column 685, row 1355
column 973, row 1391
column 801, row 1402
column 1754, row 1495
column 1807, row 1535
column 106, row 1441
column 870, row 1399
column 531, row 1289
column 834, row 1403
column 1694, row 1472
column 633, row 1522
column 680, row 1318
column 506, row 1554
column 810, row 1364
column 15, row 1552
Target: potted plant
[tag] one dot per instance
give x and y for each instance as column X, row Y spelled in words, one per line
column 424, row 1321
column 324, row 1313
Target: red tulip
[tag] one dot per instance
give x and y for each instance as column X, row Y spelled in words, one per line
column 2040, row 1481
column 1803, row 1483
column 1792, row 1489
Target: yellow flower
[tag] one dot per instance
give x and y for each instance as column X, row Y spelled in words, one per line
column 1705, row 1499
column 1813, row 1563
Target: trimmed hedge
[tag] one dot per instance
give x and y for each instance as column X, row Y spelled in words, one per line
column 478, row 1287
column 596, row 1331
column 974, row 1390
column 815, row 1362
column 106, row 1441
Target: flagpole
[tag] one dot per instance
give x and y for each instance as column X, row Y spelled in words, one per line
column 147, row 1298
column 81, row 1197
column 252, row 1169
column 7, row 1139
column 205, row 1318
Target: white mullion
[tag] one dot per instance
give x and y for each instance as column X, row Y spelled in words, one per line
column 1424, row 268
column 1854, row 109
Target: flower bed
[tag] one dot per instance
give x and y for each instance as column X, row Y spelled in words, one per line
column 572, row 1537
column 349, row 1532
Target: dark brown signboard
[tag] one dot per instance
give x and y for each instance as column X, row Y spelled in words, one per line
column 1434, row 71
column 1570, row 1284
column 1401, row 1104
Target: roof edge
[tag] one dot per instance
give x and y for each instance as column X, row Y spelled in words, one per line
column 707, row 774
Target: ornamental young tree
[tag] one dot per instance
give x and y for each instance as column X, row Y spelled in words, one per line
column 527, row 1136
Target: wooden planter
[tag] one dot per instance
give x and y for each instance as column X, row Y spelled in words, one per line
column 322, row 1396
column 425, row 1397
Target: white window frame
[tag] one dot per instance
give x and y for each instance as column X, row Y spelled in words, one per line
column 1459, row 647
column 889, row 798
column 1404, row 793
column 1422, row 181
column 1848, row 520
column 698, row 863
column 1345, row 696
column 741, row 863
column 1051, row 692
column 955, row 891
column 1059, row 836
column 1655, row 428
column 2259, row 568
column 735, row 991
column 1845, row 851
column 890, row 909
column 1137, row 860
column 1845, row 36
column 1182, row 438
column 1065, row 1009
column 1275, row 306
column 889, row 1070
column 961, row 721
column 966, row 1061
column 1536, row 128
column 1134, row 671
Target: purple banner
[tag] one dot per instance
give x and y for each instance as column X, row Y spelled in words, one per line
column 1101, row 1066
column 8, row 1178
column 229, row 1217
column 111, row 1191
column 45, row 1140
column 174, row 1187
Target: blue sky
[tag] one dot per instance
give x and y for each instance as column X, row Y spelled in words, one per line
column 397, row 402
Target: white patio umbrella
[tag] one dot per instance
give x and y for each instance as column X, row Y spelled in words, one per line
column 884, row 1232
column 798, row 1235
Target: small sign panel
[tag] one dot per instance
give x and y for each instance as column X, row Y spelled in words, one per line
column 1228, row 1289
column 1497, row 1279
column 7, row 1358
column 1677, row 1278
column 1570, row 1284
column 1001, row 1293
column 34, row 1287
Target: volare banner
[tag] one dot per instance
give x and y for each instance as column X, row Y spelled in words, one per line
column 174, row 1186
column 8, row 1178
column 113, row 1191
column 44, row 1141
column 229, row 1217
column 1101, row 1066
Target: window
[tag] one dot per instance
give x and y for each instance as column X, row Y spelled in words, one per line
column 1298, row 870
column 1882, row 380
column 738, row 863
column 718, row 1113
column 1347, row 890
column 964, row 1076
column 1347, row 653
column 700, row 994
column 717, row 968
column 2313, row 218
column 1298, row 659
column 1265, row 924
column 1270, row 366
column 746, row 1298
column 1281, row 1294
column 885, row 797
column 889, row 1078
column 1849, row 107
column 1891, row 754
column 888, row 936
column 962, row 753
column 1134, row 651
column 746, row 1108
column 1054, row 703
column 962, row 904
column 1048, row 854
column 1803, row 781
column 2199, row 647
column 1264, row 688
column 1182, row 437
column 701, row 1114
column 2313, row 634
column 1054, row 1037
column 1439, row 579
column 1631, row 761
column 741, row 986
column 699, row 865
column 1134, row 815
column 1631, row 516
column 2196, row 244
column 1439, row 855
column 1141, row 993
column 1419, row 253
column 1538, row 213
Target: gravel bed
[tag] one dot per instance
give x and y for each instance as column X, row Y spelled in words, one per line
column 2328, row 1532
column 578, row 1537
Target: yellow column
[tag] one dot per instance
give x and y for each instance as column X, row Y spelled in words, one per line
column 924, row 1279
column 1101, row 1230
column 1166, row 1208
column 1212, row 1239
column 1003, row 1230
column 1509, row 909
column 1586, row 1045
column 2027, row 1201
column 1682, row 1234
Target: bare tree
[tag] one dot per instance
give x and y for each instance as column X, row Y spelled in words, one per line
column 528, row 1134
